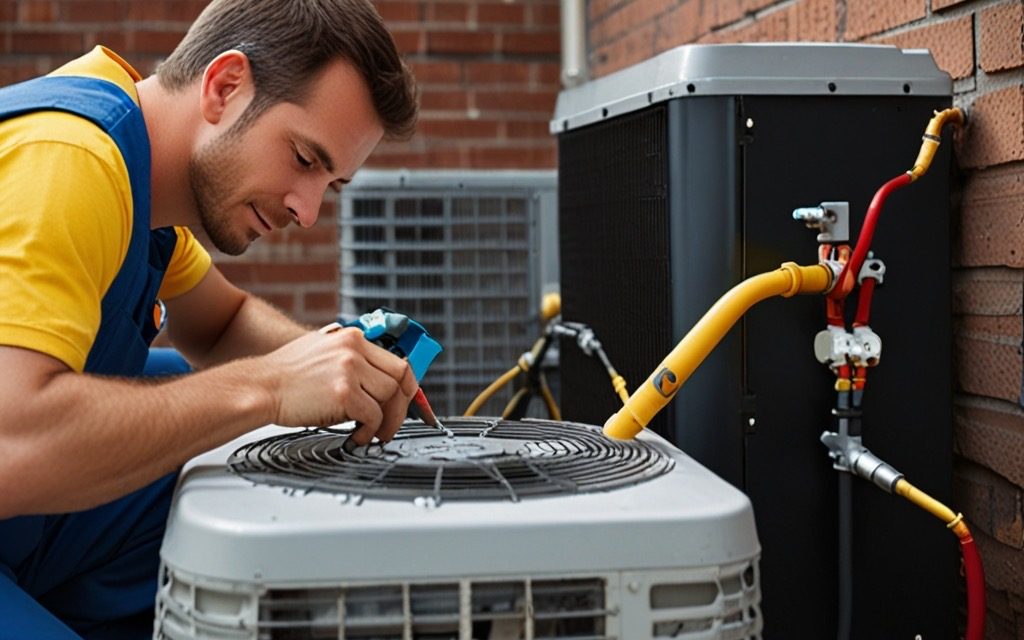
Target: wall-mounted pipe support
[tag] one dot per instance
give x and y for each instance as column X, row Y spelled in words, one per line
column 659, row 389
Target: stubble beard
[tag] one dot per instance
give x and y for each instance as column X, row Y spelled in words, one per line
column 212, row 173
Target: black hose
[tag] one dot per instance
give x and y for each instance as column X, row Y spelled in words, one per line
column 845, row 556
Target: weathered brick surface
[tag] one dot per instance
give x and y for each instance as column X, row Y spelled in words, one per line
column 990, row 503
column 987, row 357
column 868, row 18
column 1002, row 36
column 990, row 229
column 951, row 43
column 679, row 26
column 548, row 42
column 995, row 129
column 634, row 47
column 627, row 18
column 988, row 292
column 991, row 438
column 501, row 13
column 461, row 42
column 945, row 4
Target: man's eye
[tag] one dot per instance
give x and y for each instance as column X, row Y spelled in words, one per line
column 302, row 161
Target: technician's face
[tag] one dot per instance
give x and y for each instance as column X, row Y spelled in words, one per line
column 275, row 171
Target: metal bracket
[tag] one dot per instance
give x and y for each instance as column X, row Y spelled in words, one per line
column 832, row 219
column 872, row 268
column 849, row 455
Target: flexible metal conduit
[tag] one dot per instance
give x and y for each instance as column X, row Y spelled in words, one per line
column 659, row 389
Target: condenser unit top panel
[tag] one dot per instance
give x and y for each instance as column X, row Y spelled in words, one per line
column 674, row 513
column 753, row 69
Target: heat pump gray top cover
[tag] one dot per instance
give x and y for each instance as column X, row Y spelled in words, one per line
column 227, row 526
column 752, row 69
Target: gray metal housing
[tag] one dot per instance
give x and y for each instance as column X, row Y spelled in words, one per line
column 753, row 69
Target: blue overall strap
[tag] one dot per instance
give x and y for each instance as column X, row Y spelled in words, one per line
column 126, row 326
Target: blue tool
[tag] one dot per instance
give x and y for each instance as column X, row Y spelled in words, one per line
column 401, row 335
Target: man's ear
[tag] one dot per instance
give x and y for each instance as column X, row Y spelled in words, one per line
column 226, row 88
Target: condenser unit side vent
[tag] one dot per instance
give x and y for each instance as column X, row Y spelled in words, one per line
column 466, row 253
column 664, row 604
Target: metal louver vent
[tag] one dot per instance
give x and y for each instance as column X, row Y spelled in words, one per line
column 482, row 459
column 508, row 610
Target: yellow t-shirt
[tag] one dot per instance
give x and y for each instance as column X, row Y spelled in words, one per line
column 65, row 223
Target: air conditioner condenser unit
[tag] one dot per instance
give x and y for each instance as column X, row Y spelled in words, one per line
column 499, row 530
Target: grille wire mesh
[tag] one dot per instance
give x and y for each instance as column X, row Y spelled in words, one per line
column 482, row 459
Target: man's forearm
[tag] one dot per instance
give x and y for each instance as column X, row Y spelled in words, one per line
column 256, row 328
column 81, row 440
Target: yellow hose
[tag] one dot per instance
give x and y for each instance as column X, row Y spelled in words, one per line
column 549, row 400
column 954, row 521
column 659, row 389
column 619, row 385
column 932, row 138
column 486, row 394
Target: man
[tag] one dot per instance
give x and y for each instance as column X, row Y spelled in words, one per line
column 263, row 106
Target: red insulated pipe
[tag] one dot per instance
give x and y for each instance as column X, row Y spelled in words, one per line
column 867, row 230
column 867, row 290
column 975, row 576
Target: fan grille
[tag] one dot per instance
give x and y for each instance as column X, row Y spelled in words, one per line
column 482, row 459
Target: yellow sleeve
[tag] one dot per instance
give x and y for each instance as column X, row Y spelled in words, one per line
column 189, row 263
column 64, row 230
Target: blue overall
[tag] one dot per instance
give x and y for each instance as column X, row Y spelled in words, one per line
column 93, row 573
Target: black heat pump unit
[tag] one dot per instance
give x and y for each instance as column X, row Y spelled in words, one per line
column 677, row 180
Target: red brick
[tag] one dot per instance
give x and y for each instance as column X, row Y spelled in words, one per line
column 116, row 40
column 868, row 18
column 951, row 43
column 628, row 18
column 451, row 157
column 436, row 72
column 991, row 231
column 184, row 11
column 777, row 26
column 8, row 11
column 543, row 157
column 460, row 42
column 987, row 292
column 992, row 437
column 945, row 4
column 497, row 73
column 47, row 42
column 547, row 73
column 596, row 9
column 463, row 128
column 987, row 356
column 11, row 72
column 1002, row 37
column 543, row 102
column 160, row 42
column 500, row 13
column 679, row 26
column 249, row 273
column 408, row 42
column 549, row 42
column 816, row 21
column 526, row 129
column 94, row 11
column 995, row 129
column 545, row 15
column 399, row 10
column 634, row 47
column 990, row 503
column 444, row 100
column 37, row 11
column 321, row 301
column 448, row 12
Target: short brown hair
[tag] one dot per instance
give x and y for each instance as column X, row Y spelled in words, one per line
column 288, row 42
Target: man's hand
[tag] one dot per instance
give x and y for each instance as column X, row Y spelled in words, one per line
column 326, row 378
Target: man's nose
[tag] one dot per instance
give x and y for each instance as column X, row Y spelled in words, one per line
column 303, row 203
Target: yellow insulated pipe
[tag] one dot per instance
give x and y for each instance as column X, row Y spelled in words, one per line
column 954, row 521
column 931, row 139
column 659, row 389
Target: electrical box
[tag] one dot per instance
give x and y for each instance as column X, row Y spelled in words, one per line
column 677, row 180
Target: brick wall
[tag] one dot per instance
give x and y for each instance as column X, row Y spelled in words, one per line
column 488, row 71
column 980, row 44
